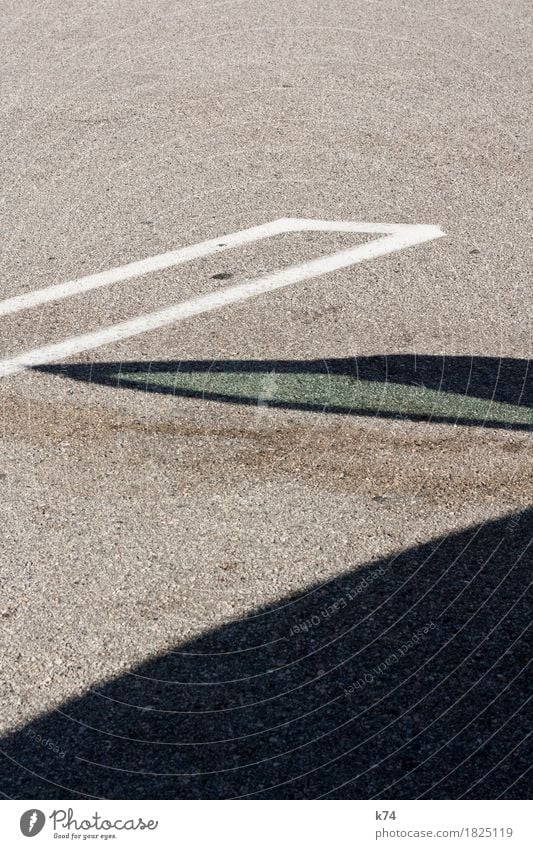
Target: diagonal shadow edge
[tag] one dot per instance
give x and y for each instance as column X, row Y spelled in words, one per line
column 418, row 582
column 501, row 380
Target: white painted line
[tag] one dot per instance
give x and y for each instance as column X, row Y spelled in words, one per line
column 178, row 257
column 137, row 269
column 399, row 237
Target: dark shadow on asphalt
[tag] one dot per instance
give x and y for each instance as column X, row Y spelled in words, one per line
column 451, row 379
column 404, row 678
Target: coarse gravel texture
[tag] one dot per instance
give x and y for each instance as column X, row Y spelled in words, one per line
column 207, row 598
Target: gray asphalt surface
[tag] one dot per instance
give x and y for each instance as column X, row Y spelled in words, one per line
column 142, row 528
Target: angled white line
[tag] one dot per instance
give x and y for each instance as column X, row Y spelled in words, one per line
column 182, row 255
column 398, row 236
column 138, row 269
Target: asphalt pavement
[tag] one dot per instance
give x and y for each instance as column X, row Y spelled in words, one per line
column 264, row 501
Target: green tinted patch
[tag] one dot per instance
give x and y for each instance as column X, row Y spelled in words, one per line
column 334, row 392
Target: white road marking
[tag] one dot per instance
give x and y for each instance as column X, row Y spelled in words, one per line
column 137, row 269
column 182, row 255
column 398, row 236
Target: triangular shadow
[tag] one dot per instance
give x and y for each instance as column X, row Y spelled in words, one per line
column 477, row 391
column 404, row 678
